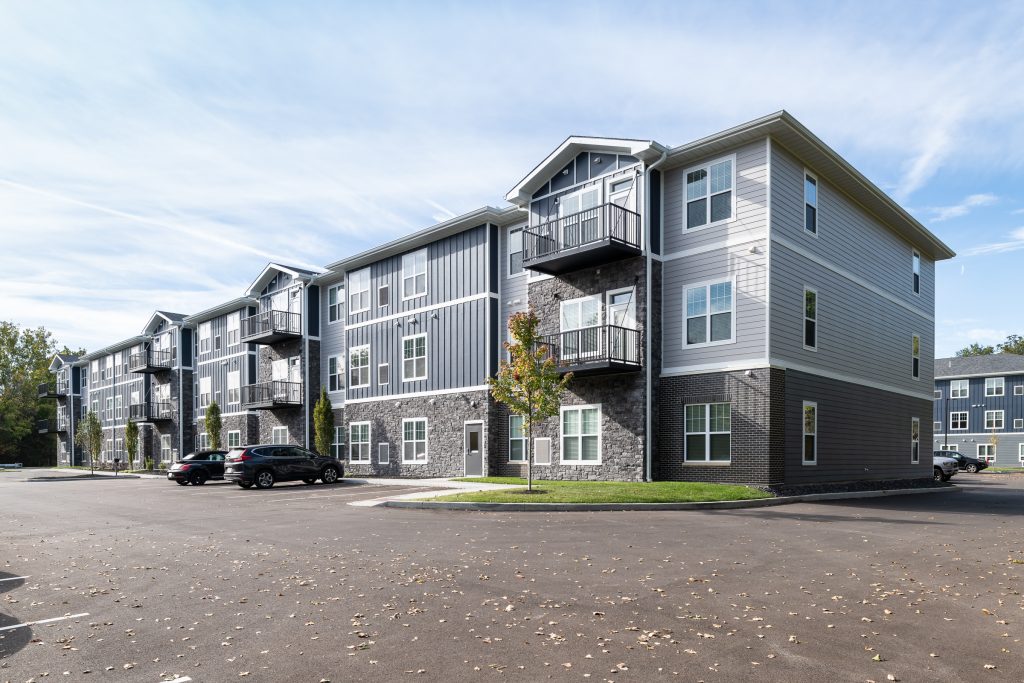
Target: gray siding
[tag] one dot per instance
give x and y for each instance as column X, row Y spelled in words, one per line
column 1008, row 439
column 514, row 290
column 332, row 341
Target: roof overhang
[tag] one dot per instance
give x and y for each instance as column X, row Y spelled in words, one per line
column 272, row 269
column 154, row 321
column 646, row 151
column 220, row 309
column 60, row 360
column 114, row 348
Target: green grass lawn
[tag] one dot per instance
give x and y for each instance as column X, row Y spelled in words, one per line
column 1005, row 470
column 604, row 492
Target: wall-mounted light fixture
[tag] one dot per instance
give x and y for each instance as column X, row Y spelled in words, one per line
column 565, row 171
column 433, row 316
column 410, row 321
column 597, row 160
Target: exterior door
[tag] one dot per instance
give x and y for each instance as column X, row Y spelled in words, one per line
column 295, row 378
column 580, row 326
column 623, row 342
column 474, row 449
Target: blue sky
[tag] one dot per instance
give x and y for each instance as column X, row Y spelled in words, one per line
column 157, row 155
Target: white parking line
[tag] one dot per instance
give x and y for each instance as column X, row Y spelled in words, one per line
column 44, row 621
column 183, row 679
column 15, row 578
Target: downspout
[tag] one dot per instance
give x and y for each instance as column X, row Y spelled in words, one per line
column 648, row 448
column 305, row 361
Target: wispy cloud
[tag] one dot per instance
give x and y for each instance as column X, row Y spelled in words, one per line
column 945, row 213
column 1014, row 243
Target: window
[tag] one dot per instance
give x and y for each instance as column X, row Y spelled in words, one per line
column 1018, row 390
column 936, row 427
column 359, row 366
column 234, row 439
column 414, row 357
column 109, row 450
column 414, row 274
column 165, row 447
column 709, row 196
column 994, row 419
column 414, row 440
column 384, row 296
column 515, row 252
column 234, row 387
column 279, row 435
column 335, row 303
column 118, row 407
column 204, row 337
column 516, row 439
column 383, row 373
column 335, row 374
column 1018, row 423
column 233, row 325
column 117, row 364
column 338, row 445
column 204, row 391
column 582, row 315
column 915, row 440
column 987, row 452
column 995, row 386
column 109, row 415
column 810, row 319
column 1020, row 453
column 581, row 434
column 708, row 432
column 958, row 420
column 916, row 350
column 709, row 314
column 810, row 442
column 916, row 267
column 937, row 394
column 383, row 453
column 118, row 447
column 359, row 291
column 359, row 442
column 203, row 442
column 96, row 406
column 959, row 388
column 810, row 203
column 216, row 343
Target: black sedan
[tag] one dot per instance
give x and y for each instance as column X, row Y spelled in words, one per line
column 964, row 463
column 267, row 464
column 198, row 468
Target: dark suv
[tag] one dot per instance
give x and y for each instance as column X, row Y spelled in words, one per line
column 267, row 464
column 198, row 468
column 965, row 463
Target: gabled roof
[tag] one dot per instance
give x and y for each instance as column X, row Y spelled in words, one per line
column 221, row 309
column 272, row 269
column 114, row 348
column 60, row 360
column 992, row 365
column 154, row 320
column 644, row 150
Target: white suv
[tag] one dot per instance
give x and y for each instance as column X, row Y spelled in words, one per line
column 945, row 467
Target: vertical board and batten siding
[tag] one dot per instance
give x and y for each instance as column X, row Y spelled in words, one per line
column 332, row 340
column 728, row 255
column 217, row 363
column 514, row 290
column 219, row 327
column 977, row 403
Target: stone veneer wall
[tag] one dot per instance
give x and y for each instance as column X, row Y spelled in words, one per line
column 294, row 418
column 446, row 417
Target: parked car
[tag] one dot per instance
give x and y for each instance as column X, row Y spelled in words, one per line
column 964, row 462
column 267, row 464
column 944, row 467
column 198, row 468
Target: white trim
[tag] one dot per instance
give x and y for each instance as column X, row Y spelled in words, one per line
column 368, row 442
column 914, row 421
column 339, row 372
column 387, row 286
column 967, row 394
column 561, row 434
column 915, row 337
column 817, row 197
column 706, row 433
column 1018, row 423
column 426, row 355
column 806, row 319
column 997, row 415
column 803, row 433
column 418, row 394
column 228, row 439
column 537, row 440
column 961, row 430
column 1018, row 390
column 522, row 438
column 768, row 249
column 849, row 276
column 707, row 284
column 219, row 359
column 422, row 309
column 1001, row 386
column 425, row 273
column 426, row 441
column 384, row 447
column 915, row 275
column 732, row 189
column 340, row 289
column 842, row 377
column 354, row 349
column 732, row 241
column 483, row 448
column 724, row 366
column 349, row 292
column 982, row 374
column 383, row 365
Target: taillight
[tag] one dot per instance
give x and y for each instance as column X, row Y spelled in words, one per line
column 184, row 468
column 244, row 455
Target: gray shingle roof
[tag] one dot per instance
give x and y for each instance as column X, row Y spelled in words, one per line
column 995, row 364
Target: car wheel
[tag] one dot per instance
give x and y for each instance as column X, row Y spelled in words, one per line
column 939, row 476
column 181, row 482
column 329, row 475
column 310, row 480
column 264, row 479
column 972, row 468
column 244, row 485
column 198, row 478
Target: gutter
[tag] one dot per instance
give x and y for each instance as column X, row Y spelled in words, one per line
column 649, row 409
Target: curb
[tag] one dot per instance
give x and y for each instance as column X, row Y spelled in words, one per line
column 637, row 507
column 85, row 476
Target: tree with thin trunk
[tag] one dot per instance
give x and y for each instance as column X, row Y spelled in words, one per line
column 323, row 423
column 213, row 425
column 131, row 441
column 529, row 383
column 90, row 437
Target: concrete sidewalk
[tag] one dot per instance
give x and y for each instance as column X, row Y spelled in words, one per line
column 438, row 483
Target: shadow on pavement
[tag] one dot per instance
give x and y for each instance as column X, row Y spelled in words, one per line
column 15, row 639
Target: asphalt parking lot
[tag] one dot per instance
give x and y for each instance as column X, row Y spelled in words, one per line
column 147, row 581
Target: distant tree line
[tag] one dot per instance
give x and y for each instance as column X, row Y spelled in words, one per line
column 1013, row 344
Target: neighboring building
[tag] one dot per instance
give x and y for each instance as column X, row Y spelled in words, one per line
column 67, row 389
column 111, row 391
column 979, row 407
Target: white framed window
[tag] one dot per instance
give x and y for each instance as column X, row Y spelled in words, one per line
column 959, row 388
column 234, row 322
column 994, row 419
column 995, row 386
column 810, row 203
column 165, row 447
column 203, row 443
column 118, row 447
column 338, row 444
column 279, row 435
column 414, row 357
column 915, row 440
column 109, row 415
column 810, row 319
column 1018, row 390
column 234, row 439
column 1018, row 423
column 915, row 348
column 515, row 252
column 936, row 427
column 414, row 439
column 987, row 452
column 708, row 432
column 216, row 342
column 710, row 199
column 937, row 394
column 384, row 296
column 384, row 373
column 1020, row 453
column 359, row 366
column 117, row 364
column 542, row 450
column 710, row 314
column 383, row 453
column 335, row 303
column 359, row 291
column 414, row 274
column 581, row 434
column 958, row 420
column 916, row 270
column 118, row 407
column 809, row 447
column 234, row 387
column 335, row 374
column 205, row 333
column 516, row 439
column 359, row 442
column 582, row 315
column 205, row 391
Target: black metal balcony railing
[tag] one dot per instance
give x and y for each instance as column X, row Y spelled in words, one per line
column 272, row 394
column 46, row 426
column 150, row 361
column 602, row 348
column 51, row 390
column 149, row 412
column 604, row 233
column 271, row 326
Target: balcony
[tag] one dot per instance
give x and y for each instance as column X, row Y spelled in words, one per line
column 47, row 426
column 150, row 412
column 270, row 327
column 150, row 361
column 599, row 350
column 270, row 395
column 591, row 237
column 52, row 390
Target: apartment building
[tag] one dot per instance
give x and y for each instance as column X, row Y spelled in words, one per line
column 979, row 407
column 66, row 388
column 165, row 357
column 111, row 390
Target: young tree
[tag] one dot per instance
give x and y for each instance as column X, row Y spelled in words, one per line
column 530, row 383
column 213, row 424
column 323, row 423
column 90, row 437
column 975, row 349
column 131, row 441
